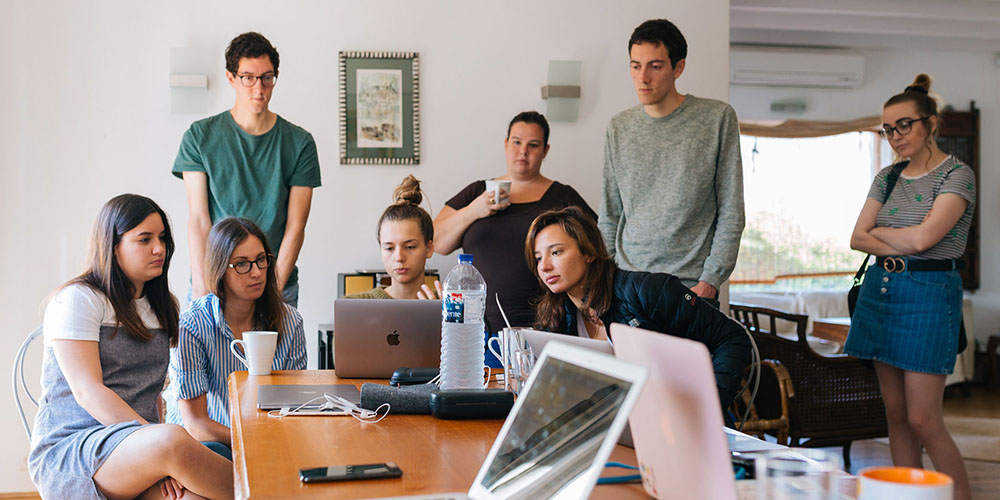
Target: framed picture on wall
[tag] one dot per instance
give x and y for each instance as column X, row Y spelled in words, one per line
column 379, row 108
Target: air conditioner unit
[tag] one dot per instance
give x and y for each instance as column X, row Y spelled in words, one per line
column 795, row 67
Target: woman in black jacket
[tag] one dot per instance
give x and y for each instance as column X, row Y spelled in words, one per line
column 585, row 292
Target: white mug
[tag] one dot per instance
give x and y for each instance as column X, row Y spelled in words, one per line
column 259, row 348
column 877, row 483
column 496, row 186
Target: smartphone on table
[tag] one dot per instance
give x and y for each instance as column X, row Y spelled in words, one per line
column 350, row 472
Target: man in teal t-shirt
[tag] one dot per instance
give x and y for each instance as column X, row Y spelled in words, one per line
column 249, row 162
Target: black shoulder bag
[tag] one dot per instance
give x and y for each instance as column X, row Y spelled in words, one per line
column 852, row 294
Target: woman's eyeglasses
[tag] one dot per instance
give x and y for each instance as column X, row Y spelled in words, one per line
column 903, row 126
column 243, row 266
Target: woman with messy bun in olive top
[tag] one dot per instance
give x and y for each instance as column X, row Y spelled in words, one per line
column 909, row 308
column 405, row 233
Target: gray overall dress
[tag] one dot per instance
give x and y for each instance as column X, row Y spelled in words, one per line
column 68, row 445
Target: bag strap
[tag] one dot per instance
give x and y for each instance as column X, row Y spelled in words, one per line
column 890, row 184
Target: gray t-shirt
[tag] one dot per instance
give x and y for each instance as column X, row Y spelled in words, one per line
column 913, row 197
column 673, row 191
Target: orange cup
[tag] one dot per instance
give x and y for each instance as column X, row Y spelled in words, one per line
column 894, row 483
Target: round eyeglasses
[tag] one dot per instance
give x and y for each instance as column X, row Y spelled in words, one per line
column 267, row 80
column 243, row 266
column 903, row 126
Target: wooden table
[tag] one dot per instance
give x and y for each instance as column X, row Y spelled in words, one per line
column 436, row 455
column 832, row 329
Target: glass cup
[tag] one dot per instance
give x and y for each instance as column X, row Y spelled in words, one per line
column 503, row 352
column 259, row 348
column 798, row 474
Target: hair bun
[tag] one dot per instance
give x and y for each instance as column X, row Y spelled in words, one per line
column 921, row 84
column 408, row 192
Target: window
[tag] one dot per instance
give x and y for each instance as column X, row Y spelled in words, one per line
column 802, row 200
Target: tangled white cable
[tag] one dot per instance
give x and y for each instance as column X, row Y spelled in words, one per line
column 334, row 405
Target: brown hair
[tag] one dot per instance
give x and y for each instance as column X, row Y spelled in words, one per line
column 225, row 236
column 919, row 94
column 598, row 280
column 118, row 216
column 406, row 206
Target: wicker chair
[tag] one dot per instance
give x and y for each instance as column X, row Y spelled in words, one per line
column 836, row 399
column 768, row 412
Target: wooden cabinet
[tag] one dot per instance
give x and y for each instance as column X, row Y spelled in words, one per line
column 959, row 135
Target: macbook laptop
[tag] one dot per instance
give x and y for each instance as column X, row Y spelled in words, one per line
column 374, row 337
column 537, row 339
column 276, row 397
column 562, row 428
column 677, row 423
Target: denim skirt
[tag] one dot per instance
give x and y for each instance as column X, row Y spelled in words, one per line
column 909, row 320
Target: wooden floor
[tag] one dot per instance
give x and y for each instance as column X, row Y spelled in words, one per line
column 984, row 476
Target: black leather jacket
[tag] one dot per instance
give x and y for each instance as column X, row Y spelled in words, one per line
column 659, row 302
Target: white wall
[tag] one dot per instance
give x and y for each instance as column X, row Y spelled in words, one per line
column 959, row 76
column 91, row 118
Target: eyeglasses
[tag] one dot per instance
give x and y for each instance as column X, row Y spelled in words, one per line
column 268, row 79
column 903, row 126
column 243, row 266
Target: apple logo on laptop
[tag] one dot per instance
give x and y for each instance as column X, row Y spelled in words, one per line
column 392, row 338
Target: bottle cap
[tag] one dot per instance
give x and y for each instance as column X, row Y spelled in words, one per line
column 465, row 258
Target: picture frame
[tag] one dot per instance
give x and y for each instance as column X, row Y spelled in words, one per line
column 379, row 108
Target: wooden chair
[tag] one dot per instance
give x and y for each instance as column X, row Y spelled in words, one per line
column 768, row 411
column 836, row 399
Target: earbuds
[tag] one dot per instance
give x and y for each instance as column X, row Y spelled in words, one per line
column 334, row 405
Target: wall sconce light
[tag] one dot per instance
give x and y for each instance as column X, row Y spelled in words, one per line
column 189, row 70
column 562, row 94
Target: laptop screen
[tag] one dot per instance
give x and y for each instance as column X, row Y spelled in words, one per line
column 563, row 421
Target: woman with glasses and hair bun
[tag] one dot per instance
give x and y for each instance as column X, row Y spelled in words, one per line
column 243, row 296
column 907, row 317
column 107, row 338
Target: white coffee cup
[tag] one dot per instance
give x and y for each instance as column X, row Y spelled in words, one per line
column 877, row 483
column 259, row 348
column 500, row 190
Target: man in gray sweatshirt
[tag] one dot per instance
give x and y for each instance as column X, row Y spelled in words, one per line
column 673, row 180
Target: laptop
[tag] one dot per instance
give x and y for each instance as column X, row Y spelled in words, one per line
column 562, row 428
column 680, row 443
column 537, row 339
column 374, row 337
column 276, row 397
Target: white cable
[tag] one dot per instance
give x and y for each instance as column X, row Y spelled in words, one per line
column 362, row 415
column 755, row 369
column 497, row 297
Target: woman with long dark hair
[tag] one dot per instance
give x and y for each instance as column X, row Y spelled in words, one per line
column 107, row 338
column 908, row 313
column 585, row 292
column 243, row 296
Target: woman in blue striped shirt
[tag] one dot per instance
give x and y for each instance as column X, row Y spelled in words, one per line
column 243, row 297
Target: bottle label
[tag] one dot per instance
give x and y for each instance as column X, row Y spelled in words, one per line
column 454, row 308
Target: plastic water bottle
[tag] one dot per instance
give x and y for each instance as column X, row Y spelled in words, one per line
column 462, row 309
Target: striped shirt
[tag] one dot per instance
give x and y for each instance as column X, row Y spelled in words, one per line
column 202, row 360
column 913, row 197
